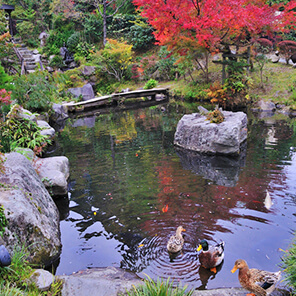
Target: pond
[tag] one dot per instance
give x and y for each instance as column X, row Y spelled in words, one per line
column 130, row 188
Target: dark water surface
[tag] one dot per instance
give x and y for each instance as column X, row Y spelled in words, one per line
column 130, row 188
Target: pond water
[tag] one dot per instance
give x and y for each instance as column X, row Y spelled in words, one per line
column 130, row 188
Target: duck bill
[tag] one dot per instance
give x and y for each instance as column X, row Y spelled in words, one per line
column 199, row 248
column 234, row 269
column 183, row 229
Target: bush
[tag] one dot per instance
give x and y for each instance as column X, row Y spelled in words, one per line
column 150, row 84
column 141, row 36
column 115, row 59
column 21, row 132
column 35, row 91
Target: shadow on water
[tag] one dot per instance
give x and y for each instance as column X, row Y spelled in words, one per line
column 130, row 188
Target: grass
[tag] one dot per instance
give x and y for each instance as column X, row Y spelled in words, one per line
column 158, row 288
column 15, row 278
column 289, row 265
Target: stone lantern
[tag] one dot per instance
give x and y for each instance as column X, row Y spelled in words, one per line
column 8, row 9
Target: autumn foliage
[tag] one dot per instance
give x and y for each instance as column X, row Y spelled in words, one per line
column 209, row 23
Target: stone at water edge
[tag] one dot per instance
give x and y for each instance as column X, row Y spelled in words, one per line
column 5, row 259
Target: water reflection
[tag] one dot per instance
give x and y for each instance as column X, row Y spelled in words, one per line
column 130, row 187
column 222, row 170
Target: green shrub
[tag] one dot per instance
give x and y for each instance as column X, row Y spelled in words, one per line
column 150, row 84
column 57, row 62
column 160, row 288
column 21, row 132
column 35, row 91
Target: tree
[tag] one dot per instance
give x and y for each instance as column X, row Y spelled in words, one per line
column 188, row 26
column 115, row 58
column 102, row 7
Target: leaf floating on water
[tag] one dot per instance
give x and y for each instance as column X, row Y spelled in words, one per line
column 165, row 208
column 268, row 202
column 141, row 245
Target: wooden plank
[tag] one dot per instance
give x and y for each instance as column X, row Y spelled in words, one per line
column 99, row 101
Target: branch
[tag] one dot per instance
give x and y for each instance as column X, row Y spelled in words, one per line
column 196, row 5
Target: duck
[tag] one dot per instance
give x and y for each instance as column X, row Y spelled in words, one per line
column 258, row 282
column 211, row 256
column 176, row 242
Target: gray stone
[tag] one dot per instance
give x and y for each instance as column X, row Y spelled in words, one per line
column 43, row 279
column 54, row 173
column 59, row 112
column 88, row 70
column 108, row 281
column 195, row 132
column 47, row 130
column 33, row 218
column 86, row 92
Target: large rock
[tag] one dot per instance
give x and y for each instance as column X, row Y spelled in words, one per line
column 195, row 132
column 33, row 218
column 54, row 173
column 86, row 92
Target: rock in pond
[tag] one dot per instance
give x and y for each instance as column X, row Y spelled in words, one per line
column 194, row 132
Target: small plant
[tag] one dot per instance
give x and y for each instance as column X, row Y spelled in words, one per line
column 21, row 132
column 3, row 221
column 159, row 288
column 215, row 116
column 150, row 84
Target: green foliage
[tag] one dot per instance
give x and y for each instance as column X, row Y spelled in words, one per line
column 150, row 84
column 141, row 35
column 3, row 221
column 21, row 132
column 289, row 265
column 35, row 91
column 93, row 28
column 166, row 64
column 58, row 38
column 15, row 278
column 114, row 59
column 5, row 80
column 57, row 62
column 160, row 288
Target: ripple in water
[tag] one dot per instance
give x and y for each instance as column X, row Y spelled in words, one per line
column 151, row 258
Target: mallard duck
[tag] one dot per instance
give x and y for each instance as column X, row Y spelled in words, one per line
column 211, row 256
column 176, row 242
column 259, row 282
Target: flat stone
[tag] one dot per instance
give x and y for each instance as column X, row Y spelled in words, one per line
column 108, row 281
column 43, row 279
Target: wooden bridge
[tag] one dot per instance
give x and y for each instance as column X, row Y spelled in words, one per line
column 117, row 98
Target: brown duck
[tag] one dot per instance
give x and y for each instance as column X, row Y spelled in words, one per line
column 176, row 242
column 211, row 256
column 258, row 282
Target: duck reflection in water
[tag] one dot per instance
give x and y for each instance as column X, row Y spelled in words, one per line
column 206, row 274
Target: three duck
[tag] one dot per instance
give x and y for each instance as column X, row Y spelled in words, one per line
column 258, row 282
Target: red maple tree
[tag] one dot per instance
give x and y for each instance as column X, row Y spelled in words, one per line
column 202, row 26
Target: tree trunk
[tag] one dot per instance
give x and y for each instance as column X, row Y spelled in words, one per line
column 104, row 22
